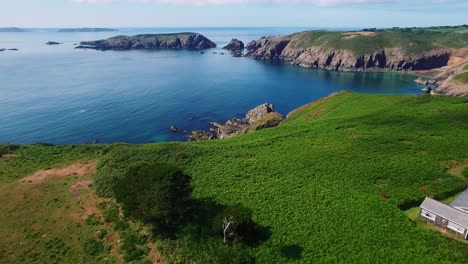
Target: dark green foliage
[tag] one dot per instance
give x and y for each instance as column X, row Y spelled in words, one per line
column 465, row 172
column 133, row 246
column 93, row 247
column 101, row 233
column 110, row 211
column 159, row 194
column 121, row 225
column 8, row 149
column 242, row 228
column 92, row 220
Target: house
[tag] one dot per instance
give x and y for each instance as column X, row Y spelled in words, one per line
column 461, row 202
column 448, row 217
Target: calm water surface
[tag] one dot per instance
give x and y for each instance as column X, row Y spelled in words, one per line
column 57, row 94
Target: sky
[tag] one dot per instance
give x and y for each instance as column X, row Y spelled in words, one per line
column 231, row 13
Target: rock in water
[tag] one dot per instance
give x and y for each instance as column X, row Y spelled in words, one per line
column 259, row 112
column 174, row 129
column 262, row 116
column 421, row 80
column 151, row 41
column 53, row 43
column 235, row 45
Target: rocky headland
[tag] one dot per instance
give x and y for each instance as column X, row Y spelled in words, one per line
column 262, row 116
column 405, row 50
column 321, row 56
column 151, row 41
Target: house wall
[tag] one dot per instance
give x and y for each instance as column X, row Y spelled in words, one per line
column 440, row 222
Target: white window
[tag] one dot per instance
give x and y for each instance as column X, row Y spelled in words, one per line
column 457, row 228
column 428, row 215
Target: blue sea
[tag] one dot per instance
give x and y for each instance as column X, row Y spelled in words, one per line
column 61, row 95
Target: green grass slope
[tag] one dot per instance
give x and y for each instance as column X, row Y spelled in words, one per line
column 319, row 183
column 411, row 41
column 316, row 180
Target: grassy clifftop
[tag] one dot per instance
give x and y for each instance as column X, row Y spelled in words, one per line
column 412, row 40
column 329, row 184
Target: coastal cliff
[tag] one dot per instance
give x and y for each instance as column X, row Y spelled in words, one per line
column 387, row 50
column 151, row 41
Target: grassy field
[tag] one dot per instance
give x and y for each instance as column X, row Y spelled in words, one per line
column 411, row 41
column 330, row 184
column 462, row 77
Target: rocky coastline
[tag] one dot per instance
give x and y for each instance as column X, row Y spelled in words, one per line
column 386, row 59
column 192, row 41
column 260, row 117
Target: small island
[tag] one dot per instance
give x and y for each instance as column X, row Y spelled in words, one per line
column 11, row 29
column 189, row 40
column 51, row 43
column 72, row 30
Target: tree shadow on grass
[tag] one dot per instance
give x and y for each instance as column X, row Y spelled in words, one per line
column 292, row 252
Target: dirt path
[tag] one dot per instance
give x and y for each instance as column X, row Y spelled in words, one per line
column 74, row 169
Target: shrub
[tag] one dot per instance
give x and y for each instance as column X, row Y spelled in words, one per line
column 110, row 211
column 8, row 149
column 133, row 245
column 93, row 247
column 465, row 172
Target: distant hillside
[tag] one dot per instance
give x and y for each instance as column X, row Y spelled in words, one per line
column 11, row 29
column 396, row 49
column 87, row 30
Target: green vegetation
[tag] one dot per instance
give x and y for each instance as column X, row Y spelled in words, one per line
column 465, row 173
column 330, row 184
column 158, row 194
column 462, row 77
column 410, row 40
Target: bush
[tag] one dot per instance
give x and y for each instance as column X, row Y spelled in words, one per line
column 465, row 172
column 110, row 211
column 133, row 245
column 8, row 149
column 93, row 247
column 158, row 194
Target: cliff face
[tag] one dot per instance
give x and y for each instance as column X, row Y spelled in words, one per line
column 151, row 41
column 395, row 59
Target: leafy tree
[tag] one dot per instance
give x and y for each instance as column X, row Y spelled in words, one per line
column 159, row 194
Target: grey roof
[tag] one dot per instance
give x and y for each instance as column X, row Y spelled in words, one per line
column 446, row 211
column 461, row 201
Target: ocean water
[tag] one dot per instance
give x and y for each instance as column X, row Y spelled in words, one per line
column 60, row 95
